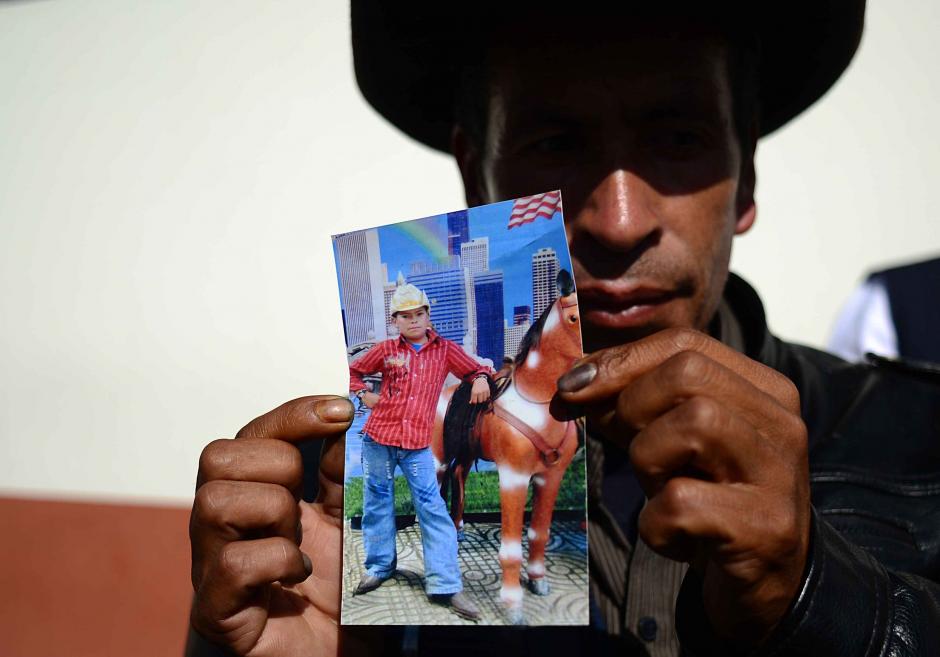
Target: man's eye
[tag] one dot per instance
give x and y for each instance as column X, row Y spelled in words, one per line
column 685, row 139
column 680, row 139
column 677, row 143
column 558, row 143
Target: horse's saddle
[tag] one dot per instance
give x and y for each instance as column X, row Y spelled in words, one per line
column 461, row 420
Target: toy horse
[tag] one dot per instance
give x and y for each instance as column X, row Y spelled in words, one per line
column 526, row 435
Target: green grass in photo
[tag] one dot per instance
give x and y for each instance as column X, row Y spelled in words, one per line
column 482, row 492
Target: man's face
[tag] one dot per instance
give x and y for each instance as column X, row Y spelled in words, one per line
column 413, row 324
column 639, row 136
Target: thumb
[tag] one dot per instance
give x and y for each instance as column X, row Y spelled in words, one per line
column 305, row 418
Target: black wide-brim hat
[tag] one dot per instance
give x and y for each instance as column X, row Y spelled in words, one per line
column 408, row 55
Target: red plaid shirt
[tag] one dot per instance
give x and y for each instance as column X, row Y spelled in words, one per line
column 411, row 386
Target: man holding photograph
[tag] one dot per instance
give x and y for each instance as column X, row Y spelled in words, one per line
column 398, row 433
column 708, row 534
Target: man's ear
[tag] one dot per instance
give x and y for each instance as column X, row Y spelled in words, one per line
column 746, row 206
column 469, row 161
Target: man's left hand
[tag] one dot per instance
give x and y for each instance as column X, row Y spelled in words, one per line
column 480, row 391
column 718, row 445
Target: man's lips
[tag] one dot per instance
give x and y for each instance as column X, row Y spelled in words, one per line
column 614, row 306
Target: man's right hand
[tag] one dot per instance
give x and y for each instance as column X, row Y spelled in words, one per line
column 266, row 565
column 370, row 399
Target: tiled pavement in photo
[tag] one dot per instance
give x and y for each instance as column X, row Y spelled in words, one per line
column 401, row 600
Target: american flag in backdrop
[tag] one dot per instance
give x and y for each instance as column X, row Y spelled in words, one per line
column 530, row 208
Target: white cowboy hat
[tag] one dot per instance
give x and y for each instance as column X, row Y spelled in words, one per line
column 408, row 297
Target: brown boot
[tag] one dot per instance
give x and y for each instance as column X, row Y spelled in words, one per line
column 368, row 583
column 460, row 604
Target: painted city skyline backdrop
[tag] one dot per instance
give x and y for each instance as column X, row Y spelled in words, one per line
column 505, row 246
column 479, row 275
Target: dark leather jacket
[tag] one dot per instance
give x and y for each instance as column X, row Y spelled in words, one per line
column 871, row 583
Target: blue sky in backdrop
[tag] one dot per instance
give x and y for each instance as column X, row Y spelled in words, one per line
column 511, row 251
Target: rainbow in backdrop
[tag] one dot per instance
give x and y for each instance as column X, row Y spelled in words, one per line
column 427, row 235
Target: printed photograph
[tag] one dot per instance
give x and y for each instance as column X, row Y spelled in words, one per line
column 465, row 498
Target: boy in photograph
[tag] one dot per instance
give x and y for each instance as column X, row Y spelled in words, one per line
column 398, row 432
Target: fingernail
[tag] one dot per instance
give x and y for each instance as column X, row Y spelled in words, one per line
column 577, row 378
column 335, row 410
column 308, row 565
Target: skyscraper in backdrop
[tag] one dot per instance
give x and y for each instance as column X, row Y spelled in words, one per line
column 488, row 292
column 458, row 230
column 388, row 289
column 544, row 272
column 475, row 254
column 513, row 336
column 447, row 289
column 361, row 280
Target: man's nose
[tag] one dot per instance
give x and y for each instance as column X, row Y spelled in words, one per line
column 619, row 213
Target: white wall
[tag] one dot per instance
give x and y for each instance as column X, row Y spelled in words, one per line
column 170, row 173
column 852, row 184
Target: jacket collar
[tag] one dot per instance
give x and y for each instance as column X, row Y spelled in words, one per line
column 742, row 324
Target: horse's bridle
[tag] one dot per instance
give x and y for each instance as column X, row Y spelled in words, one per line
column 550, row 455
column 576, row 343
column 571, row 339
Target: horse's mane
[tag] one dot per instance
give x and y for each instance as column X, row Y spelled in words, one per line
column 533, row 335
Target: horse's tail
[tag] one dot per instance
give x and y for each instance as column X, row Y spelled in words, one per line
column 447, row 483
column 459, row 445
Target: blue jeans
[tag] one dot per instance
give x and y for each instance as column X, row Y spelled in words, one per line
column 438, row 536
